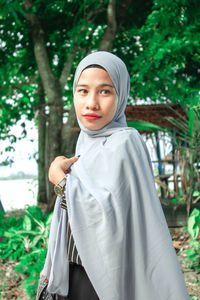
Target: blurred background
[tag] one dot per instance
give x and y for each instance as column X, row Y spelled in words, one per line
column 41, row 43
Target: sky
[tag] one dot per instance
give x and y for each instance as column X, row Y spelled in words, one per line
column 23, row 154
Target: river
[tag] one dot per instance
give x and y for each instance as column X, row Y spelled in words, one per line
column 16, row 194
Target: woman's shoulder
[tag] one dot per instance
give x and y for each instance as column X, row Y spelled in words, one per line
column 123, row 142
column 124, row 136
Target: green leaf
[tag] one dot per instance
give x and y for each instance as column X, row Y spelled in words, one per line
column 49, row 219
column 174, row 200
column 194, row 223
column 144, row 125
column 191, row 123
column 195, row 244
column 191, row 252
column 9, row 234
column 27, row 225
column 35, row 241
column 196, row 194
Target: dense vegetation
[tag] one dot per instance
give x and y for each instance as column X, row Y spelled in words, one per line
column 25, row 239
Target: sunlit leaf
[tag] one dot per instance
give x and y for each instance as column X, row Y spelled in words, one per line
column 27, row 225
column 143, row 125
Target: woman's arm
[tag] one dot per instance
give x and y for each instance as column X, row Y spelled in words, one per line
column 58, row 169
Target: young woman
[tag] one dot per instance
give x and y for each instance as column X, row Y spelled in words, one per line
column 109, row 239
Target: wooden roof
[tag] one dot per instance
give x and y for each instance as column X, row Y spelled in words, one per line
column 154, row 113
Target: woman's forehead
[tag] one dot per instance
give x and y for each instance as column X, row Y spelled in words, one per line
column 94, row 74
column 95, row 77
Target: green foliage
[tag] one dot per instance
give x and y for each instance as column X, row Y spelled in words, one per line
column 144, row 125
column 194, row 223
column 25, row 239
column 166, row 65
column 193, row 228
column 30, row 265
column 177, row 200
column 2, row 223
column 187, row 145
column 196, row 196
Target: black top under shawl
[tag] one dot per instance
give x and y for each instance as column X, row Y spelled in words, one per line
column 72, row 252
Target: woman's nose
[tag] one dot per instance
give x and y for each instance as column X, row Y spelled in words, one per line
column 92, row 101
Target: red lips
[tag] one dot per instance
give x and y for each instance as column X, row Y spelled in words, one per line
column 91, row 117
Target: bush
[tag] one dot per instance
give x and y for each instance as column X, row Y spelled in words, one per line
column 193, row 228
column 25, row 239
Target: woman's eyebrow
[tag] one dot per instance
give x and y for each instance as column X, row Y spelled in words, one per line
column 83, row 85
column 101, row 85
column 106, row 84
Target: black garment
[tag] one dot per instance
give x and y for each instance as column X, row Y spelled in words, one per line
column 80, row 287
column 72, row 252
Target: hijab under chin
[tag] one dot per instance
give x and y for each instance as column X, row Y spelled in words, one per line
column 119, row 75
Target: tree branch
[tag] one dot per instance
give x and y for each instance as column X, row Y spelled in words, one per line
column 40, row 51
column 67, row 68
column 109, row 34
column 68, row 64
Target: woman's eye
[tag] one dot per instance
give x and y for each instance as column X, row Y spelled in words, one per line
column 105, row 92
column 82, row 91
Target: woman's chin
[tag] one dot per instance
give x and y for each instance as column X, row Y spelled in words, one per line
column 92, row 125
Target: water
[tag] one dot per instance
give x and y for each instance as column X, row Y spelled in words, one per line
column 18, row 193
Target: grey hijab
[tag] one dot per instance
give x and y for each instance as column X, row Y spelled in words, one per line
column 118, row 73
column 115, row 215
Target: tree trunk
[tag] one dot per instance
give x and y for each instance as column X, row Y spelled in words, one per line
column 53, row 91
column 110, row 32
column 42, row 195
column 53, row 142
column 70, row 134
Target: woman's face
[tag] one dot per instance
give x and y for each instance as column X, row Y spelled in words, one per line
column 95, row 98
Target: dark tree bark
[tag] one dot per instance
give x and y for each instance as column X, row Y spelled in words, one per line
column 52, row 90
column 42, row 195
column 110, row 32
column 70, row 134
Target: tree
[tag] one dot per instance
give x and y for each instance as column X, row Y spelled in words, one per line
column 168, row 53
column 47, row 40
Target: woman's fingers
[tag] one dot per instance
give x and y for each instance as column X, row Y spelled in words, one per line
column 59, row 167
column 71, row 160
column 64, row 163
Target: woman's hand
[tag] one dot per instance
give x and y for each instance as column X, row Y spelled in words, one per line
column 60, row 167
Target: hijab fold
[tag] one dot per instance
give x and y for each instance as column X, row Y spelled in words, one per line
column 115, row 215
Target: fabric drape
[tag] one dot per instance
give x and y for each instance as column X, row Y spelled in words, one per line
column 115, row 215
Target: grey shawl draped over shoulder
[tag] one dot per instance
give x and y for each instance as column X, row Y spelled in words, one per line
column 115, row 215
